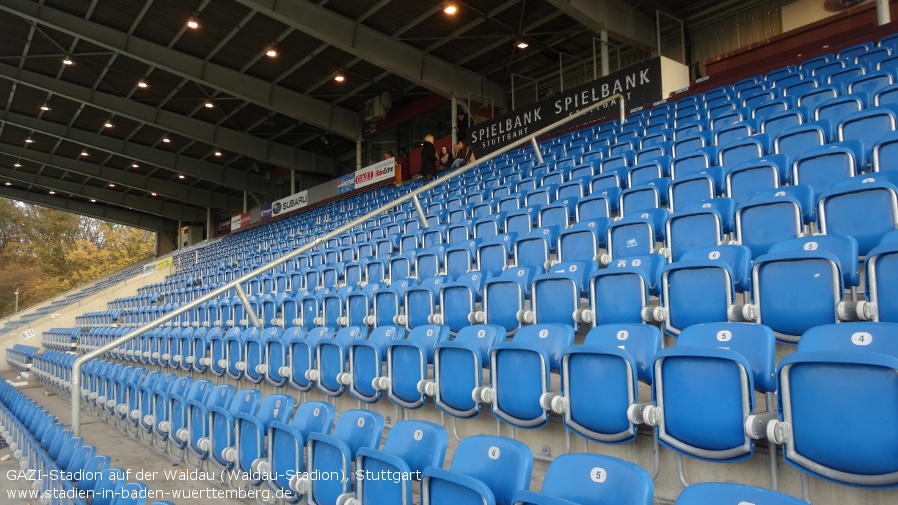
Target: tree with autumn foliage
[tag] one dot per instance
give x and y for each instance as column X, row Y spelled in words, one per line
column 46, row 252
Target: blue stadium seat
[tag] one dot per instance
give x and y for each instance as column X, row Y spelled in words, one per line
column 331, row 356
column 868, row 126
column 250, row 431
column 410, row 448
column 520, row 373
column 752, row 177
column 860, row 209
column 593, row 479
column 620, row 293
column 617, row 356
column 504, row 297
column 762, row 221
column 719, row 492
column 365, row 362
column 556, row 295
column 743, row 150
column 408, row 364
column 821, row 167
column 485, row 470
column 797, row 140
column 635, row 235
column 696, row 227
column 841, row 375
column 879, row 271
column 335, row 454
column 705, row 389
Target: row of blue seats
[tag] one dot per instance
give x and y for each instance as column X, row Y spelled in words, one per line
column 61, row 339
column 46, row 451
column 20, row 356
column 703, row 391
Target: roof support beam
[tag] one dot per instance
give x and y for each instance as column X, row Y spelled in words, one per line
column 290, row 103
column 623, row 21
column 200, row 131
column 118, row 198
column 166, row 189
column 382, row 50
column 121, row 216
column 191, row 167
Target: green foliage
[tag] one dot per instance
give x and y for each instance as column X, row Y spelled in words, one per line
column 46, row 252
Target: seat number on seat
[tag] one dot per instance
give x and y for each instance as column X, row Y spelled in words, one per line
column 623, row 335
column 494, row 452
column 861, row 338
column 598, row 474
column 724, row 336
column 418, row 435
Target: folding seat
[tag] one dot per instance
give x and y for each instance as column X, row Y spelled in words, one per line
column 879, row 270
column 331, row 357
column 692, row 189
column 410, row 448
column 812, row 274
column 635, row 235
column 865, row 209
column 851, row 53
column 797, row 140
column 616, row 356
column 700, row 289
column 868, row 126
column 837, row 109
column 846, row 76
column 824, row 70
column 615, row 161
column 195, row 434
column 508, row 293
column 744, row 150
column 769, row 108
column 521, row 221
column 458, row 300
column 872, row 83
column 779, row 122
column 838, row 376
column 401, row 266
column 250, row 431
column 699, row 226
column 301, row 345
column 772, row 216
column 873, row 57
column 161, row 412
column 388, row 302
column 822, row 167
column 536, row 248
column 753, row 98
column 334, row 454
column 704, row 390
column 591, row 478
column 719, row 492
column 178, row 418
column 582, row 241
column 421, row 301
column 286, row 443
column 520, row 373
column 555, row 296
column 407, row 365
column 737, row 131
column 600, row 204
column 646, row 196
column 459, row 258
column 560, row 213
column 620, row 293
column 221, row 425
column 687, row 144
column 694, row 162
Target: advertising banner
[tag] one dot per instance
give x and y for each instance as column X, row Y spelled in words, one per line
column 292, row 202
column 640, row 84
column 245, row 219
column 377, row 172
column 346, row 183
column 235, row 222
column 265, row 215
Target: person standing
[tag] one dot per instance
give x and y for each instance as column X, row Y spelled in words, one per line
column 428, row 159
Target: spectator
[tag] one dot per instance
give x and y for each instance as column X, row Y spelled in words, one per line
column 445, row 158
column 388, row 155
column 428, row 159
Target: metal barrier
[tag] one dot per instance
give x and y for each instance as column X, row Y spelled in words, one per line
column 236, row 284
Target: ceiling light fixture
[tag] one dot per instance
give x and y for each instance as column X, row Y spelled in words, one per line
column 52, row 192
column 29, row 140
column 217, row 153
column 85, row 153
column 45, row 107
column 93, row 200
column 272, row 51
column 166, row 140
column 194, row 22
column 152, row 194
column 340, row 77
column 8, row 183
column 111, row 185
column 17, row 164
column 208, row 104
column 181, row 176
column 135, row 165
column 142, row 83
column 450, row 8
column 522, row 44
column 67, row 61
column 108, row 124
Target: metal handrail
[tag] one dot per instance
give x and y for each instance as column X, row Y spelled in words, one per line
column 237, row 283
